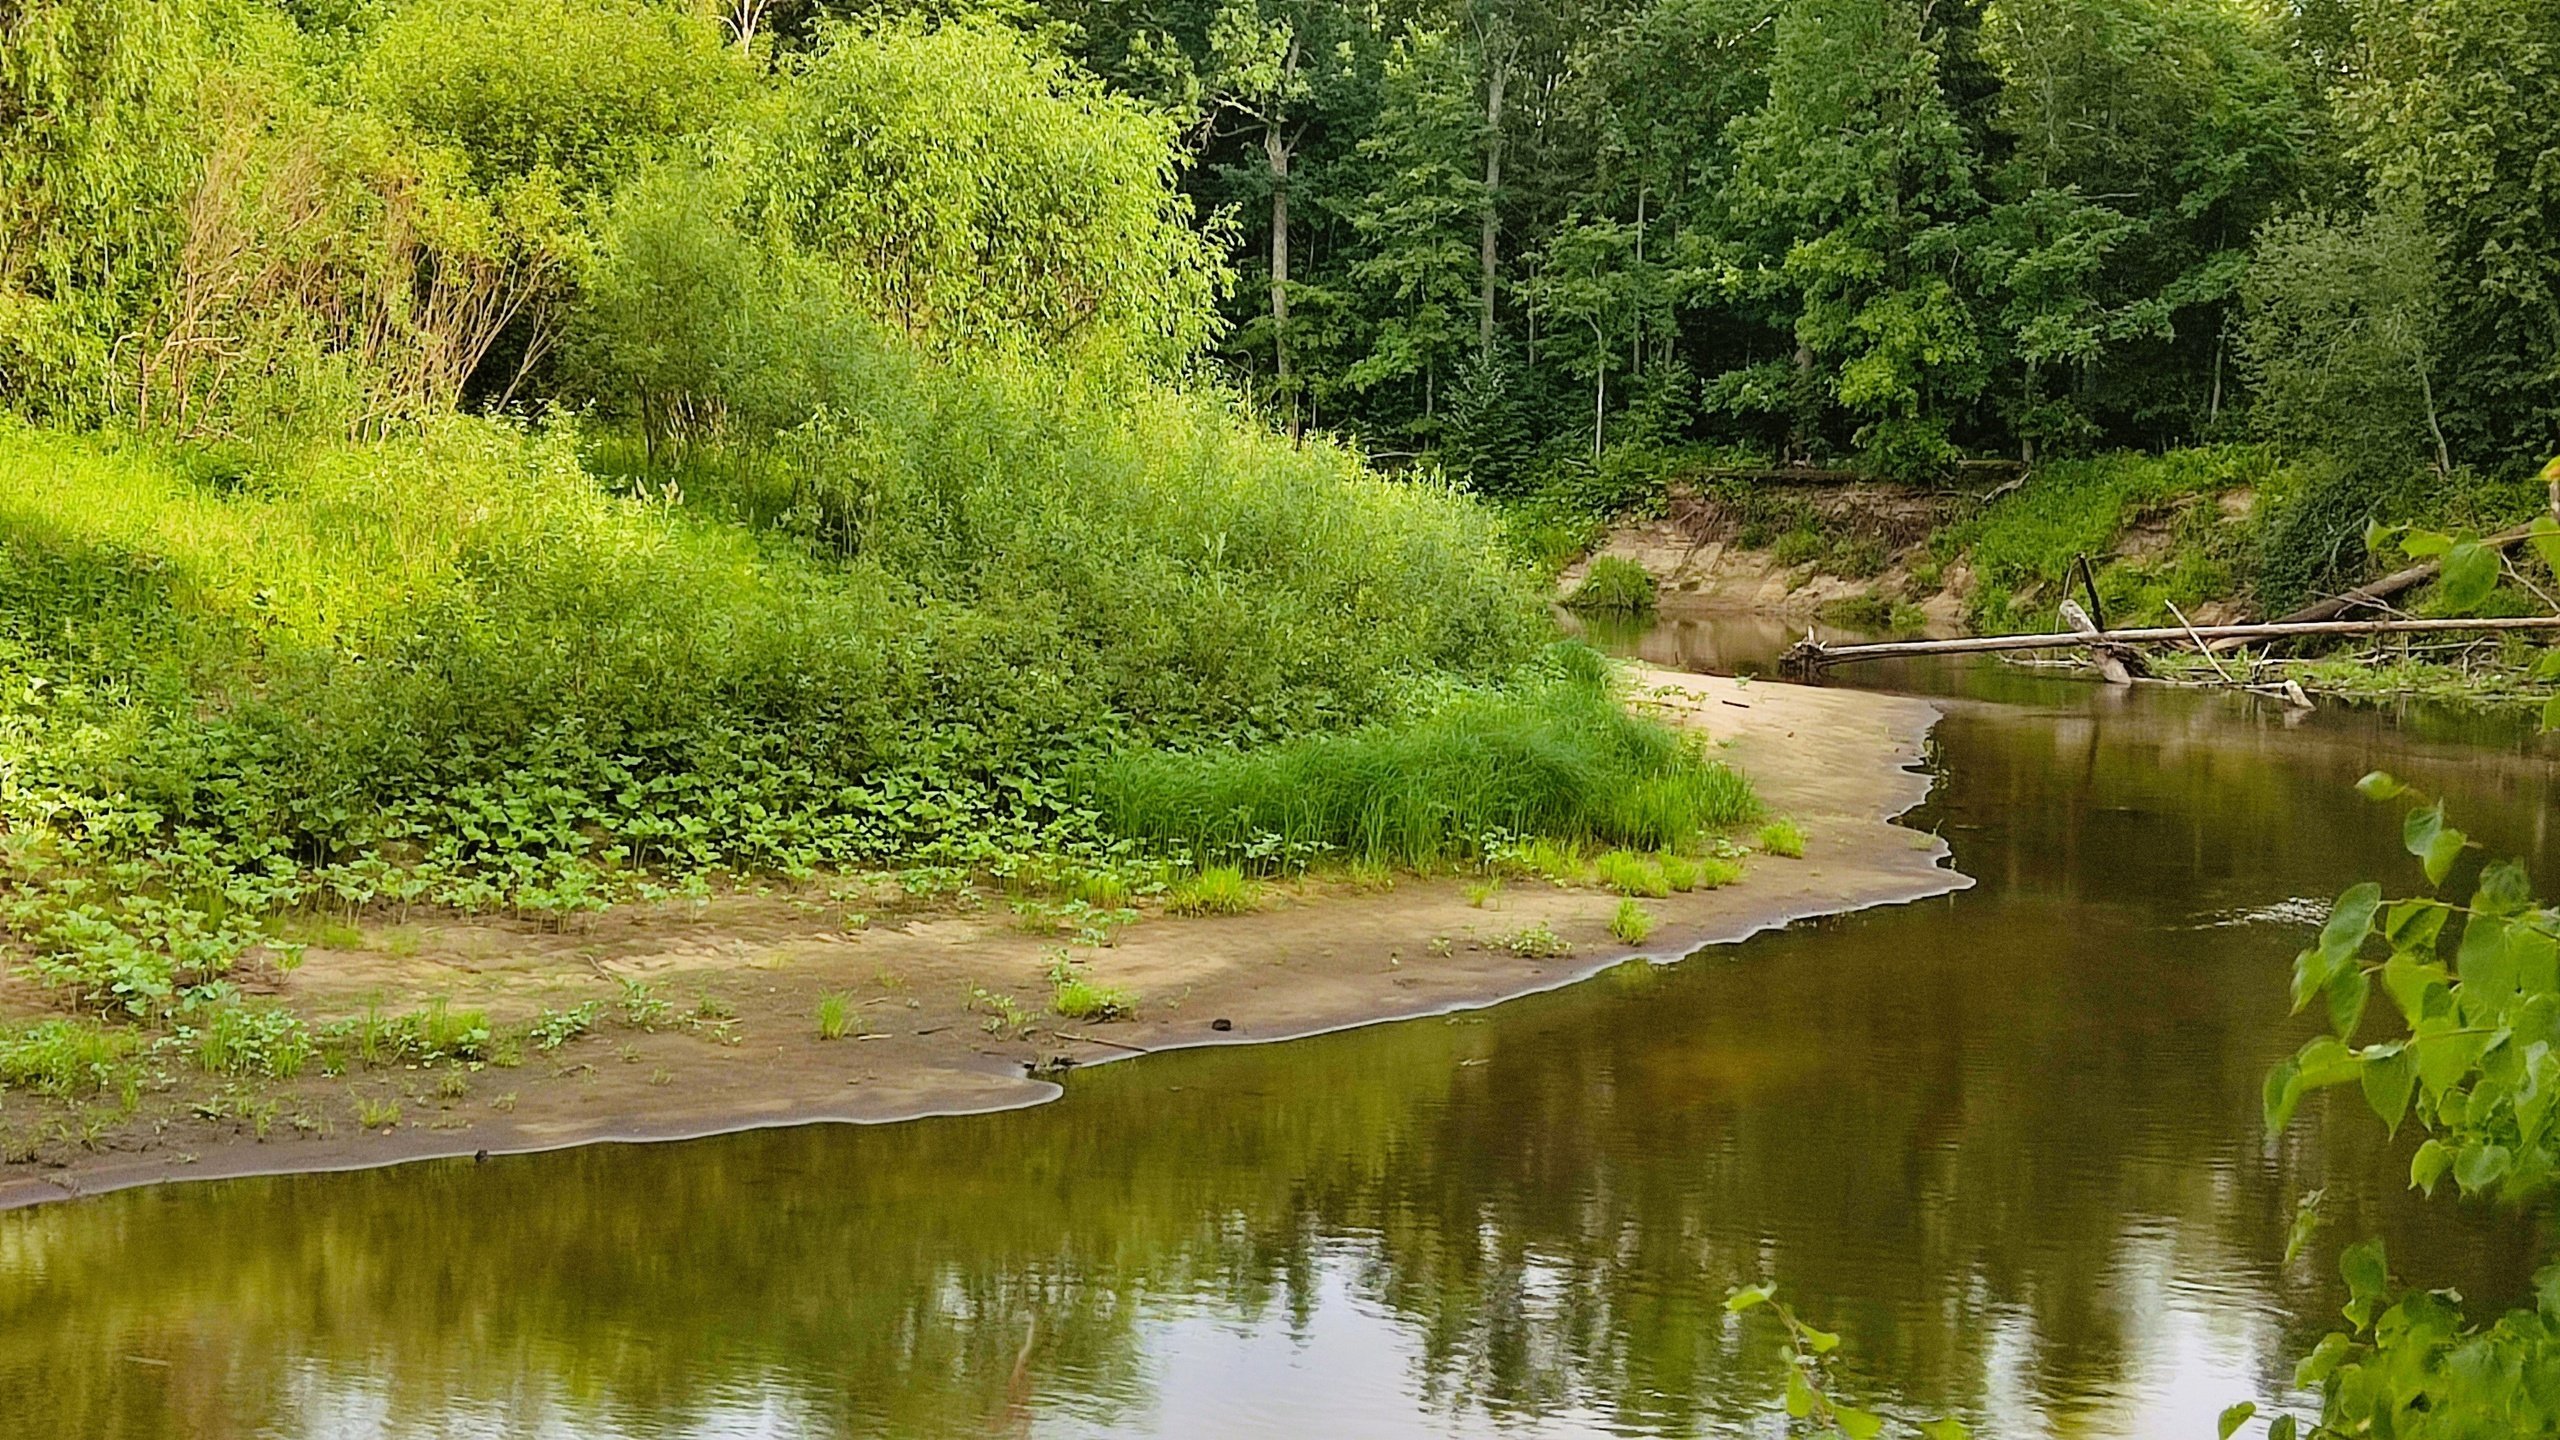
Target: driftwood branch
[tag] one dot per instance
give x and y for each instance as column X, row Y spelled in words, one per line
column 1810, row 654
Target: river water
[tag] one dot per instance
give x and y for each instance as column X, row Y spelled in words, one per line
column 2005, row 1142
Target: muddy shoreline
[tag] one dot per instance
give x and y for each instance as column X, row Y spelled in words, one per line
column 740, row 977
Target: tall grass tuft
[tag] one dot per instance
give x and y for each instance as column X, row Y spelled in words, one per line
column 1558, row 757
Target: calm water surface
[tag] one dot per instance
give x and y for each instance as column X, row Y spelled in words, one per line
column 2005, row 1142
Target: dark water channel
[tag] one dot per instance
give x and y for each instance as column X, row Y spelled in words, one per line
column 2005, row 1142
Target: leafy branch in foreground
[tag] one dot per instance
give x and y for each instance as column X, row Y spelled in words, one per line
column 2476, row 1066
column 1809, row 1395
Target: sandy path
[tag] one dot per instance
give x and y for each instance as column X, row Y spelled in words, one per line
column 1315, row 958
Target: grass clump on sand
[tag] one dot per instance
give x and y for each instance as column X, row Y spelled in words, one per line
column 1782, row 838
column 835, row 1016
column 1555, row 757
column 1213, row 890
column 1616, row 584
column 1632, row 923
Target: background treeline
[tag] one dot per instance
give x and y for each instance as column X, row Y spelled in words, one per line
column 1508, row 231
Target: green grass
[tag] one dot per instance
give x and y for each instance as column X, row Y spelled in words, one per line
column 1783, row 838
column 836, row 1019
column 1557, row 758
column 1631, row 874
column 69, row 1059
column 1614, row 583
column 1631, row 923
column 1214, row 890
column 2027, row 539
column 1076, row 996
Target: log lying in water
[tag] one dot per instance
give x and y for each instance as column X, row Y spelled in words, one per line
column 1810, row 654
column 2372, row 593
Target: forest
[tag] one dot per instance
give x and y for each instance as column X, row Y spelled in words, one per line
column 524, row 457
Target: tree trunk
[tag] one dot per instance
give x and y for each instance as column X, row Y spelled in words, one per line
column 1489, row 248
column 1278, row 150
column 1276, row 147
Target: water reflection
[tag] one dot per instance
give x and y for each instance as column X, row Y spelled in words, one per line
column 2005, row 1141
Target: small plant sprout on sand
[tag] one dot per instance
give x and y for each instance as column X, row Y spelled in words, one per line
column 1075, row 995
column 836, row 1018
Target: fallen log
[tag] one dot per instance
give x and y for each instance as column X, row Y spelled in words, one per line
column 1810, row 654
column 2372, row 594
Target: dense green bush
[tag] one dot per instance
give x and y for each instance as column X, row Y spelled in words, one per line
column 2081, row 507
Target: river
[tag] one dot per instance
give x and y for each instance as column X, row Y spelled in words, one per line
column 2005, row 1142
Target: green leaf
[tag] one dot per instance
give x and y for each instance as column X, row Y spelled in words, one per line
column 2280, row 1428
column 2414, row 924
column 1799, row 1394
column 2546, row 666
column 2504, row 889
column 2470, row 572
column 2364, row 1268
column 2425, row 544
column 2347, row 990
column 2326, row 1061
column 2545, row 539
column 1857, row 1424
column 2429, row 1164
column 2390, row 1075
column 2444, row 1054
column 2351, row 919
column 1748, row 1296
column 2322, row 1360
column 2485, row 963
column 1945, row 1427
column 2441, row 852
column 2380, row 785
column 2406, row 981
column 2233, row 1418
column 2551, row 714
column 2480, row 1166
column 2283, row 1091
column 1822, row 1342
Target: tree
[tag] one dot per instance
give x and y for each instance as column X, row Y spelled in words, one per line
column 1853, row 182
column 2341, row 342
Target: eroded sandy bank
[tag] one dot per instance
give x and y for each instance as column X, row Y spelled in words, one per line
column 743, row 975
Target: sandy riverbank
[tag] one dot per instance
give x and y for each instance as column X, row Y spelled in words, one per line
column 743, row 975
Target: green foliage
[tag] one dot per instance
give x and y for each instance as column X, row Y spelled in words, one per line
column 2024, row 543
column 239, row 1040
column 1782, row 838
column 976, row 191
column 836, row 1018
column 69, row 1058
column 1630, row 923
column 1811, row 1396
column 580, row 89
column 1617, row 584
column 2341, row 343
column 2472, row 1059
column 1557, row 757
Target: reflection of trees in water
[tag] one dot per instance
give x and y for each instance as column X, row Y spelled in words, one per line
column 1935, row 1127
